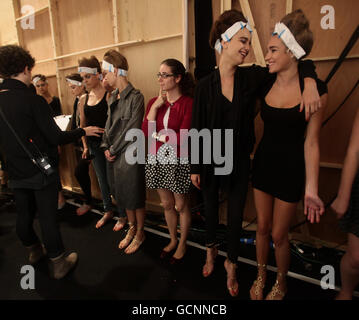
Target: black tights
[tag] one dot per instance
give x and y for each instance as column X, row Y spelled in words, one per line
column 236, row 200
column 82, row 175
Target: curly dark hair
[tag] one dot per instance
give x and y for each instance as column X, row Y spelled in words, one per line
column 225, row 20
column 187, row 82
column 13, row 60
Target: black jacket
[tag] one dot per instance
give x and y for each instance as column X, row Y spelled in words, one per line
column 31, row 118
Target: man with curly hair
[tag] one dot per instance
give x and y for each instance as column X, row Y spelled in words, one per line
column 35, row 192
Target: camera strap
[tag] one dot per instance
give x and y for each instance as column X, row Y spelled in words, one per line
column 18, row 139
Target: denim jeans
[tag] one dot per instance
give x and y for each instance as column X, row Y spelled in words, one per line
column 99, row 164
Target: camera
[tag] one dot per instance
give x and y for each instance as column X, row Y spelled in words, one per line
column 44, row 164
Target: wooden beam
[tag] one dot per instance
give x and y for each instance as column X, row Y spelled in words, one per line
column 114, row 45
column 226, row 5
column 289, row 6
column 17, row 12
column 353, row 56
column 185, row 53
column 36, row 12
column 257, row 48
column 115, row 20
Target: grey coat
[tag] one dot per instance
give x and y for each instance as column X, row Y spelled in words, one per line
column 127, row 182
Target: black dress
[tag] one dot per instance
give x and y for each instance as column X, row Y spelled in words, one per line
column 55, row 106
column 278, row 165
column 350, row 221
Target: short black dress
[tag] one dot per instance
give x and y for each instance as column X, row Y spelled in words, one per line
column 350, row 222
column 278, row 164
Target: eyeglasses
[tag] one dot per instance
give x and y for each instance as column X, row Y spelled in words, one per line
column 164, row 75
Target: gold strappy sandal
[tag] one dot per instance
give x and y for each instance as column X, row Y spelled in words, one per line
column 276, row 293
column 129, row 236
column 234, row 289
column 258, row 284
column 135, row 244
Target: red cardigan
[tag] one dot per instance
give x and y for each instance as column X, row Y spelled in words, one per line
column 179, row 118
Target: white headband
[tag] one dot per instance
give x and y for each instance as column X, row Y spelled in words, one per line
column 76, row 83
column 87, row 70
column 230, row 32
column 35, row 80
column 110, row 68
column 287, row 37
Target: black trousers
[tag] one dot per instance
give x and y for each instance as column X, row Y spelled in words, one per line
column 44, row 202
column 82, row 175
column 236, row 200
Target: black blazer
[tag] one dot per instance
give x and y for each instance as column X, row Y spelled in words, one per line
column 31, row 118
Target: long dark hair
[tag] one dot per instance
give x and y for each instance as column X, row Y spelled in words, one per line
column 187, row 82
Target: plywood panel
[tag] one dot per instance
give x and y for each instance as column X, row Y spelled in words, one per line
column 37, row 4
column 330, row 42
column 8, row 33
column 335, row 135
column 39, row 41
column 85, row 24
column 160, row 17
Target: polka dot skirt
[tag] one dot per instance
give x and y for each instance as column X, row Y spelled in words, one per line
column 166, row 171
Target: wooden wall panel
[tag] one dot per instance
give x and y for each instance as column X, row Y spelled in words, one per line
column 39, row 40
column 158, row 18
column 37, row 4
column 330, row 42
column 84, row 24
column 8, row 33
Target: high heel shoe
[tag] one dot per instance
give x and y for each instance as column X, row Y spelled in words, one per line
column 258, row 284
column 135, row 244
column 129, row 236
column 164, row 253
column 206, row 272
column 232, row 289
column 276, row 293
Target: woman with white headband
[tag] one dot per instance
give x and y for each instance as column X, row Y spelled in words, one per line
column 93, row 111
column 226, row 100
column 171, row 110
column 42, row 89
column 82, row 173
column 127, row 181
column 286, row 162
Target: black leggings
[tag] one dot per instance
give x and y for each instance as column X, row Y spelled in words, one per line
column 236, row 200
column 82, row 175
column 44, row 202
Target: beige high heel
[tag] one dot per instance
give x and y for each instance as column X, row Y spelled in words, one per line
column 135, row 244
column 276, row 293
column 129, row 236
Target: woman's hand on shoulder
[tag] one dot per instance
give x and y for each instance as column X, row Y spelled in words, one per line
column 310, row 99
